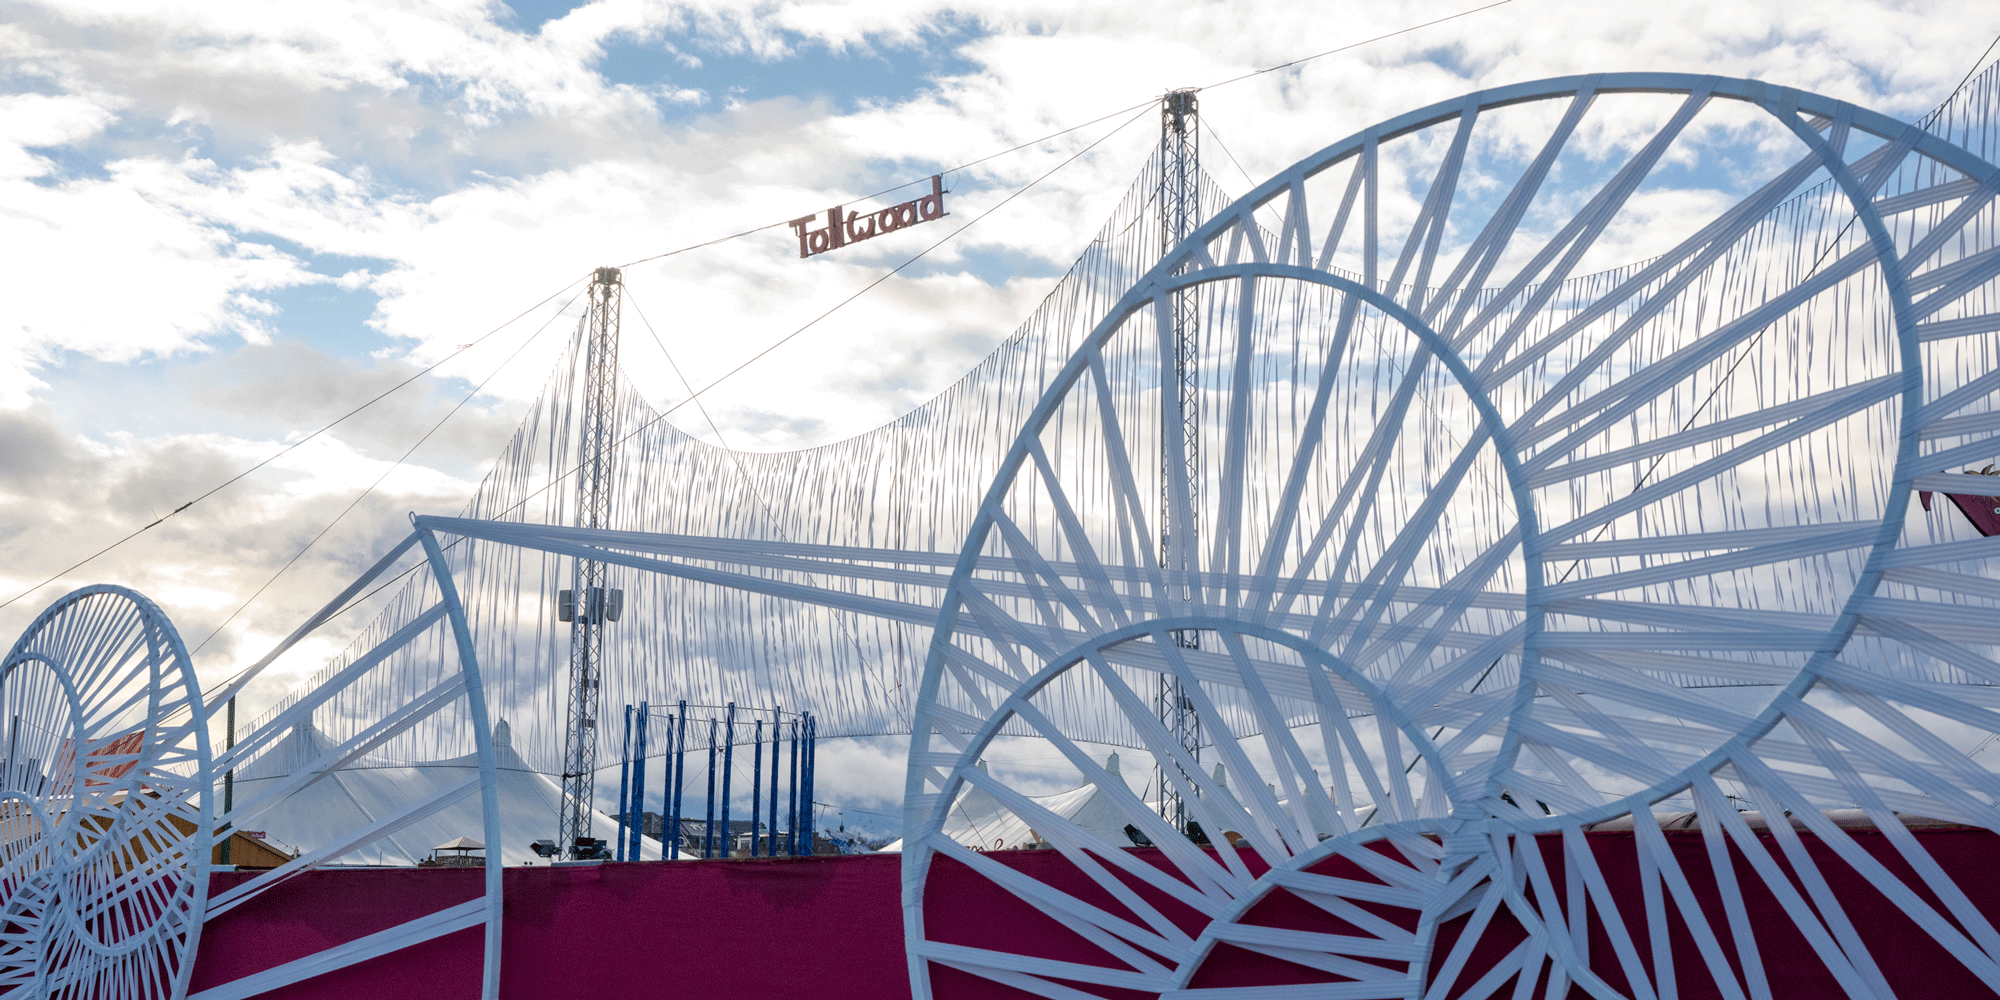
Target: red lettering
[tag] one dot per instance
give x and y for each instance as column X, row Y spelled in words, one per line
column 799, row 227
column 844, row 227
column 931, row 206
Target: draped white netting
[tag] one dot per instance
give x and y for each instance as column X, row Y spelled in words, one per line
column 879, row 518
column 908, row 487
column 1481, row 553
column 1560, row 454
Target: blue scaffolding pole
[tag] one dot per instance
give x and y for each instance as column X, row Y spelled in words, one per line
column 669, row 819
column 637, row 808
column 728, row 762
column 624, row 781
column 777, row 740
column 708, row 827
column 756, row 781
column 806, row 795
column 792, row 795
column 679, row 775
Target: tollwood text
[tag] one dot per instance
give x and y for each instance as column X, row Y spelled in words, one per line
column 844, row 227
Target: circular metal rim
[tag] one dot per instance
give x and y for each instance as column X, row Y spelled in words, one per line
column 1161, row 279
column 175, row 661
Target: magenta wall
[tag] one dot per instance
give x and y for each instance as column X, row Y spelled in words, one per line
column 831, row 928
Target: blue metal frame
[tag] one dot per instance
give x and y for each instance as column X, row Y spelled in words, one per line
column 679, row 776
column 777, row 742
column 811, row 769
column 638, row 804
column 624, row 784
column 792, row 793
column 756, row 781
column 708, row 825
column 728, row 764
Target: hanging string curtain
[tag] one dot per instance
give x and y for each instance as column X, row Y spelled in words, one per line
column 805, row 578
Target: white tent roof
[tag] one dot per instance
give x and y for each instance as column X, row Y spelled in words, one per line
column 362, row 793
column 979, row 820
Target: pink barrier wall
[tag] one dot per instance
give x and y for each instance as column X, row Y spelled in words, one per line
column 809, row 927
column 831, row 928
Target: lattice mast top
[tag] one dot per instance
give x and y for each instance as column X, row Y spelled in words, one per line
column 1180, row 411
column 596, row 441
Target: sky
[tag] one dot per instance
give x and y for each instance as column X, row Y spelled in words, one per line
column 222, row 226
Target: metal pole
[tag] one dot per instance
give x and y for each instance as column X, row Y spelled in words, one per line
column 792, row 822
column 756, row 781
column 638, row 806
column 1180, row 419
column 667, row 815
column 228, row 784
column 777, row 741
column 596, row 437
column 811, row 769
column 624, row 784
column 728, row 765
column 709, row 829
column 680, row 772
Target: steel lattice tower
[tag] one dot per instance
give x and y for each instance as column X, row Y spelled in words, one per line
column 1180, row 411
column 595, row 441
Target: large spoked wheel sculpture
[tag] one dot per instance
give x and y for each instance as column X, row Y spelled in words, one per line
column 1485, row 545
column 103, row 802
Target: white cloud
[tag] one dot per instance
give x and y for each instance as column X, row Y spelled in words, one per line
column 116, row 271
column 165, row 168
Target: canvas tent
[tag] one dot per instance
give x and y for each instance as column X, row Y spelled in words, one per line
column 361, row 793
column 978, row 820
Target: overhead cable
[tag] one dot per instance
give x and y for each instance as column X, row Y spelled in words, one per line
column 288, row 449
column 723, row 239
column 1147, row 103
column 364, row 494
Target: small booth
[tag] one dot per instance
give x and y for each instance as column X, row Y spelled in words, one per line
column 458, row 853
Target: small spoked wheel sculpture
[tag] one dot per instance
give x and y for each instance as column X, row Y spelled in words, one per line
column 1484, row 548
column 104, row 794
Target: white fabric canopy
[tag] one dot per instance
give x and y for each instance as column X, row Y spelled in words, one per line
column 359, row 794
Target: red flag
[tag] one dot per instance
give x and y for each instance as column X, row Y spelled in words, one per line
column 1983, row 510
column 102, row 762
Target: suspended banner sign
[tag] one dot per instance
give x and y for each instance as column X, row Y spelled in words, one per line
column 844, row 227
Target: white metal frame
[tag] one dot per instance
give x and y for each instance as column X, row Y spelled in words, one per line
column 1585, row 728
column 105, row 791
column 466, row 684
column 1484, row 466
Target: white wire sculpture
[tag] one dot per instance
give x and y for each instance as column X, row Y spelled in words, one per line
column 109, row 807
column 432, row 656
column 104, row 796
column 1491, row 546
column 1512, row 555
column 904, row 488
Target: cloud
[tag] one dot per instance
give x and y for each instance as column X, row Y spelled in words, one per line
column 167, row 170
column 118, row 270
